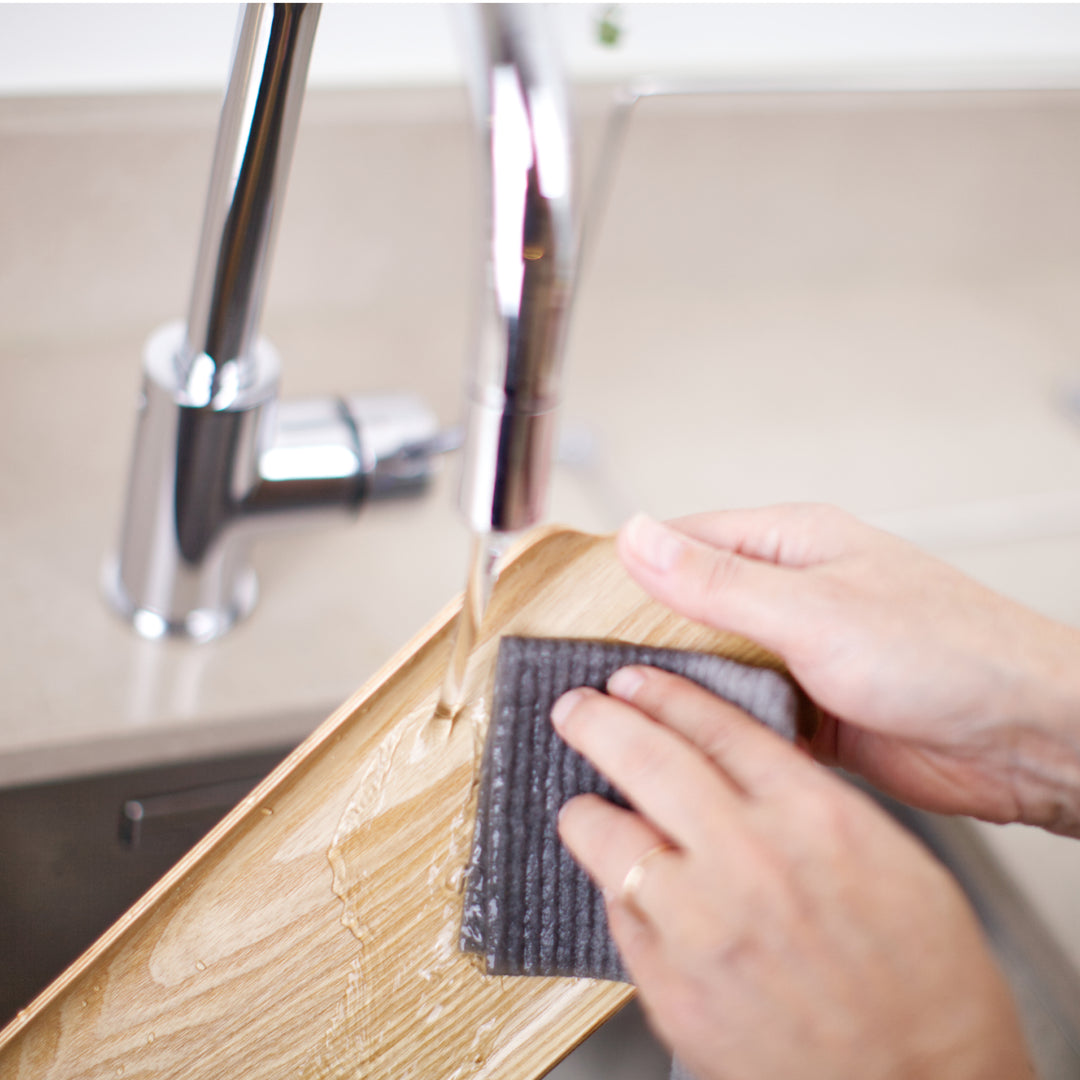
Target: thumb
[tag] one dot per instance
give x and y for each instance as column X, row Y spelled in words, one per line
column 719, row 588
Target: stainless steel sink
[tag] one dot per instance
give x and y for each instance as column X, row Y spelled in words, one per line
column 1045, row 985
column 78, row 853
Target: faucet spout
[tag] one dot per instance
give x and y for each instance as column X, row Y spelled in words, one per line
column 525, row 137
column 531, row 237
column 217, row 458
column 252, row 157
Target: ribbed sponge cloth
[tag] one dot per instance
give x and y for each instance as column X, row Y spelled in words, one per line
column 529, row 908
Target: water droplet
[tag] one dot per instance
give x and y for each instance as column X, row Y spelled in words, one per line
column 200, row 965
column 266, row 811
column 150, row 1037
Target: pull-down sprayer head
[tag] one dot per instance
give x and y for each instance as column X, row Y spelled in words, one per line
column 531, row 246
column 530, row 236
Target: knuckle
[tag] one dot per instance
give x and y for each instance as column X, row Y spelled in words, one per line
column 736, row 954
column 604, row 832
column 824, row 512
column 695, row 938
column 718, row 741
column 767, row 876
column 828, row 816
column 827, row 516
column 679, row 1009
column 643, row 763
column 692, row 1016
column 720, row 947
column 660, row 692
column 720, row 577
column 822, row 529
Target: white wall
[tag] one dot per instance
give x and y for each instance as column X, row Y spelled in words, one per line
column 74, row 48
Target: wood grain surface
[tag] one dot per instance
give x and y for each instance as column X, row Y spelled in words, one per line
column 313, row 933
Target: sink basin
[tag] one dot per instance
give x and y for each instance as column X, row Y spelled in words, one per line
column 78, row 853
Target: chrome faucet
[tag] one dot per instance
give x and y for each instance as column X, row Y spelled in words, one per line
column 521, row 113
column 218, row 459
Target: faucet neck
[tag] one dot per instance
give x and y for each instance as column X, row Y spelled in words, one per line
column 523, row 123
column 252, row 157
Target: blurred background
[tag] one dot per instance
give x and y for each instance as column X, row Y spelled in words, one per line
column 832, row 253
column 81, row 48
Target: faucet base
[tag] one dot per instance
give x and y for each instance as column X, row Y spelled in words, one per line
column 198, row 626
column 219, row 461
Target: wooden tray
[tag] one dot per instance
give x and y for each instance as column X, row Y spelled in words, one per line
column 312, row 933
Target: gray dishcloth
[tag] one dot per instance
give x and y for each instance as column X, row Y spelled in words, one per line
column 529, row 908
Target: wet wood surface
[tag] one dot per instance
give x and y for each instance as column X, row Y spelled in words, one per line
column 313, row 932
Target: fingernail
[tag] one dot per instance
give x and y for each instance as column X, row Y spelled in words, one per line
column 656, row 545
column 564, row 707
column 625, row 682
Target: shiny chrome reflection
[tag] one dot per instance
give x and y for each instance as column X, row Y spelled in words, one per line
column 526, row 148
column 217, row 459
column 256, row 136
column 206, row 480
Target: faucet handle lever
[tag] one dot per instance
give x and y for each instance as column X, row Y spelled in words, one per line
column 399, row 440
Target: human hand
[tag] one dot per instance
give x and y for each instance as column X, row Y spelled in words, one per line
column 934, row 688
column 782, row 925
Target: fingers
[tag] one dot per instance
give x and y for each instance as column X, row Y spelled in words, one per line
column 749, row 753
column 640, row 946
column 609, row 842
column 712, row 585
column 795, row 535
column 661, row 774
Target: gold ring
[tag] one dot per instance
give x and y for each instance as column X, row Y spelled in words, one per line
column 636, row 874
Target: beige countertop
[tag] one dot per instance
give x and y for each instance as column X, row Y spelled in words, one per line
column 869, row 300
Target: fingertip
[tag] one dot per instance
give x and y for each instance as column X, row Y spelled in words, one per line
column 575, row 823
column 561, row 710
column 625, row 683
column 654, row 545
column 570, row 807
